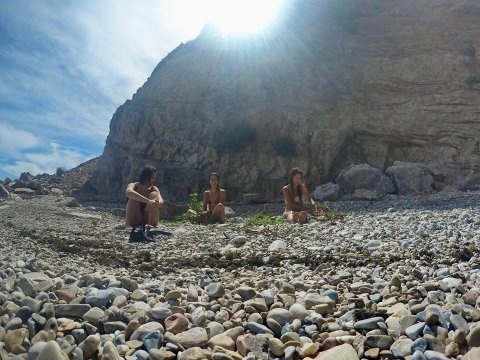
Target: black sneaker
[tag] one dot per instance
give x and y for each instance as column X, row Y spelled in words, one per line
column 139, row 235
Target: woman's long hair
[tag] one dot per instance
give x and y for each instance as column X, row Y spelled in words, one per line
column 294, row 172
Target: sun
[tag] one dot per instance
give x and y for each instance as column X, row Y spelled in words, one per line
column 241, row 16
column 232, row 17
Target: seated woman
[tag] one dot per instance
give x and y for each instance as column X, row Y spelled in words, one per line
column 295, row 193
column 214, row 200
column 144, row 200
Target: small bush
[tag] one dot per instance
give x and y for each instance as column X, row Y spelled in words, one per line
column 265, row 219
column 234, row 137
column 60, row 171
column 328, row 213
column 195, row 209
column 285, row 147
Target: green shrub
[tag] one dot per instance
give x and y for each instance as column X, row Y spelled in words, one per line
column 60, row 171
column 265, row 219
column 195, row 209
column 234, row 137
column 285, row 147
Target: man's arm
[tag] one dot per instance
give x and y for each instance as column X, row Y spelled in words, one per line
column 132, row 194
column 158, row 196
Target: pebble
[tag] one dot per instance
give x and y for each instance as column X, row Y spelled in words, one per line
column 386, row 284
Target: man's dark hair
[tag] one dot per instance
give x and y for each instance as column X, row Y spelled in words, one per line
column 146, row 173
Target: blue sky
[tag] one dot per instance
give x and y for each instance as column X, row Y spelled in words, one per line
column 65, row 66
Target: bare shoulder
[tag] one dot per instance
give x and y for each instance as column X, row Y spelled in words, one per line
column 286, row 188
column 154, row 188
column 223, row 191
column 131, row 185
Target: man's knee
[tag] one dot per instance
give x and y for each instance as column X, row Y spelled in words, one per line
column 152, row 195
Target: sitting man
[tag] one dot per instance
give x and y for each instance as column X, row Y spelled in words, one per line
column 144, row 200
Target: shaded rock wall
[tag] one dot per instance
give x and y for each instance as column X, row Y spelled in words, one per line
column 345, row 81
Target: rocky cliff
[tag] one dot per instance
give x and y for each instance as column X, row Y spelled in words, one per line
column 334, row 83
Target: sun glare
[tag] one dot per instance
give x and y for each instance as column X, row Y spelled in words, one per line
column 240, row 16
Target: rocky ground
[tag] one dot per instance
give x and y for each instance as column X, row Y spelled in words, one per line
column 394, row 279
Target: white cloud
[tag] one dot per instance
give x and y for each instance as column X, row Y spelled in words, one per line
column 46, row 160
column 13, row 141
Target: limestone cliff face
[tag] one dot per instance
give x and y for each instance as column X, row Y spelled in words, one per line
column 336, row 83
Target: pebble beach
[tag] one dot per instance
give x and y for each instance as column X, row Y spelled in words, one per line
column 397, row 278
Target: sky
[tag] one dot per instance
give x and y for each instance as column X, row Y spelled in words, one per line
column 65, row 66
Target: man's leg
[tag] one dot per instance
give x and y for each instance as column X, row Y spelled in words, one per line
column 134, row 214
column 152, row 214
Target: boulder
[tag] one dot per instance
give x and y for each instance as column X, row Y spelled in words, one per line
column 411, row 178
column 365, row 177
column 26, row 177
column 327, row 192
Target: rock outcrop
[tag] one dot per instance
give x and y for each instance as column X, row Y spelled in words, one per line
column 335, row 83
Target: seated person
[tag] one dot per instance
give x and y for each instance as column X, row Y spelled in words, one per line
column 214, row 200
column 144, row 200
column 295, row 193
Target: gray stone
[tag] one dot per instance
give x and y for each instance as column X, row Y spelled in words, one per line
column 281, row 316
column 246, row 292
column 238, row 241
column 277, row 245
column 364, row 177
column 145, row 329
column 35, row 282
column 341, row 352
column 257, row 328
column 215, row 290
column 472, row 354
column 327, row 192
column 383, row 342
column 51, row 351
column 413, row 331
column 435, row 355
column 195, row 337
column 71, row 310
column 367, row 324
column 473, row 338
column 411, row 178
column 100, row 298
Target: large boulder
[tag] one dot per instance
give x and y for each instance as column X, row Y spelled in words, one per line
column 26, row 177
column 327, row 192
column 411, row 178
column 364, row 177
